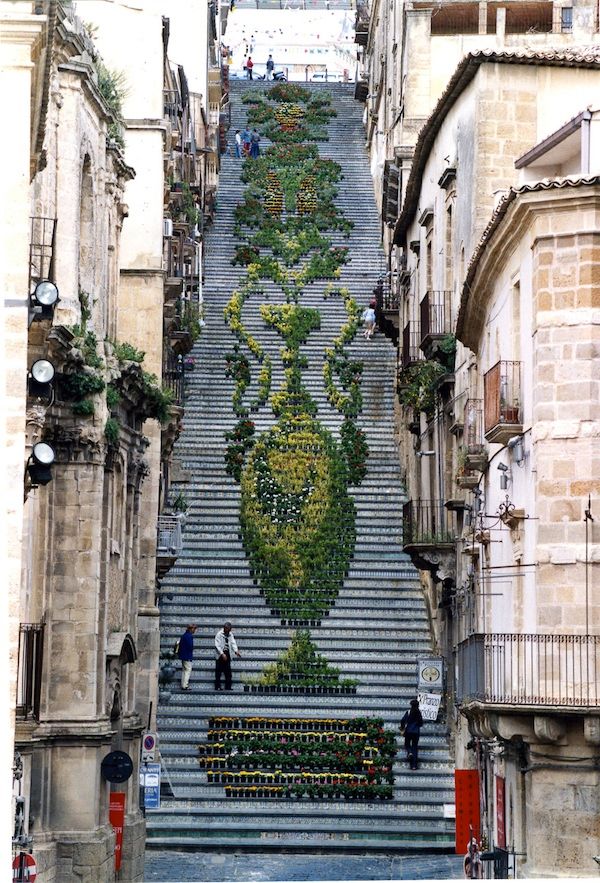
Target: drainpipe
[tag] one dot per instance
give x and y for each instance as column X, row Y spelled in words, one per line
column 586, row 132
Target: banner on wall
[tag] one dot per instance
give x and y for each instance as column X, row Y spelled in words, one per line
column 116, row 816
column 466, row 795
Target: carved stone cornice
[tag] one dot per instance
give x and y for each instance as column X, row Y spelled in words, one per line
column 73, row 445
column 62, row 348
column 137, row 465
column 171, row 432
column 35, row 419
column 441, row 563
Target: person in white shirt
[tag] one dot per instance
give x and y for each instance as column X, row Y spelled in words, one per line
column 368, row 318
column 225, row 645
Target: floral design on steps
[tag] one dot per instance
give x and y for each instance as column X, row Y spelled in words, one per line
column 295, row 758
column 297, row 517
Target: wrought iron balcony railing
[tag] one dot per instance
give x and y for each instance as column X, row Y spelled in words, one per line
column 427, row 523
column 532, row 670
column 473, row 426
column 29, row 670
column 502, row 402
column 411, row 354
column 169, row 542
column 172, row 375
column 387, row 297
column 172, row 108
column 435, row 315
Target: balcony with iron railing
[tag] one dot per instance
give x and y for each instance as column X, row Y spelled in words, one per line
column 502, row 402
column 172, row 375
column 436, row 321
column 529, row 670
column 472, row 454
column 427, row 524
column 169, row 542
column 29, row 670
column 172, row 108
column 411, row 353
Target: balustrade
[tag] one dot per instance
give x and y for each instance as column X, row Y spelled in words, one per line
column 528, row 669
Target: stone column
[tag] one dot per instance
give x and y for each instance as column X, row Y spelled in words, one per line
column 74, row 725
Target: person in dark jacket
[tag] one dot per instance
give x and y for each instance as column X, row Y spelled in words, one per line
column 411, row 725
column 186, row 654
column 254, row 144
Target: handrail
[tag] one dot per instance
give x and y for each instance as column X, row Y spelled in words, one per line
column 529, row 669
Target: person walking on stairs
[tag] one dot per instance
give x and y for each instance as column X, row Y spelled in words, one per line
column 368, row 318
column 246, row 141
column 238, row 144
column 185, row 652
column 410, row 726
column 225, row 645
column 254, row 144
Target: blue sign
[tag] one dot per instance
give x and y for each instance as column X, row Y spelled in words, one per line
column 151, row 775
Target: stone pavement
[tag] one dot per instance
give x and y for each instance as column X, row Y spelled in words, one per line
column 169, row 866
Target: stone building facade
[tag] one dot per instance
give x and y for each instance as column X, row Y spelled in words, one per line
column 408, row 50
column 494, row 245
column 94, row 404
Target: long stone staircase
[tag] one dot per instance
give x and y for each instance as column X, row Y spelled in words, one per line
column 377, row 627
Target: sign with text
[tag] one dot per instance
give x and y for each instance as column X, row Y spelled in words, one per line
column 151, row 783
column 430, row 674
column 116, row 816
column 500, row 813
column 429, row 705
column 466, row 789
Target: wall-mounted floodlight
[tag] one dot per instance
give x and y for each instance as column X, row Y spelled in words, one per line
column 515, row 446
column 504, row 476
column 40, row 463
column 43, row 300
column 41, row 375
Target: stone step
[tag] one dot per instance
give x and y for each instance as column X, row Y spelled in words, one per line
column 380, row 602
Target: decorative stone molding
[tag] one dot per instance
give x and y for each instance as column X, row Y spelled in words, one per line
column 591, row 730
column 171, row 432
column 549, row 729
column 73, row 445
column 35, row 419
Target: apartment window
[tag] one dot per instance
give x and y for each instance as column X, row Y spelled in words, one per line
column 566, row 20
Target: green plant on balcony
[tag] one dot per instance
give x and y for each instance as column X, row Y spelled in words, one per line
column 447, row 349
column 191, row 319
column 418, row 386
column 190, row 206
